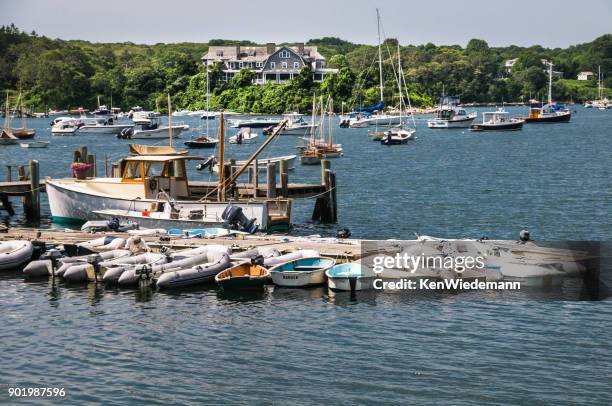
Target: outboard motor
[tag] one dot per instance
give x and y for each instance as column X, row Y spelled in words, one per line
column 234, row 216
column 113, row 224
column 126, row 133
column 209, row 163
column 343, row 233
column 258, row 260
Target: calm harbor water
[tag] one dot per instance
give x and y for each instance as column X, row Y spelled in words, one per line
column 303, row 346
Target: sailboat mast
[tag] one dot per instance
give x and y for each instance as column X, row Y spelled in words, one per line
column 380, row 71
column 399, row 82
column 599, row 82
column 331, row 129
column 207, row 100
column 170, row 118
column 550, row 66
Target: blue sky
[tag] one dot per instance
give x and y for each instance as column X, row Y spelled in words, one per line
column 557, row 23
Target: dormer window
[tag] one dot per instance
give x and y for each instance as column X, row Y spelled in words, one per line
column 219, row 53
column 284, row 54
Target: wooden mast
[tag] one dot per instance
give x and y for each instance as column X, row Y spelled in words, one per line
column 221, row 165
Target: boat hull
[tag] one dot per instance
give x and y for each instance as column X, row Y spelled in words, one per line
column 559, row 118
column 158, row 133
column 104, row 129
column 444, row 124
column 72, row 205
column 497, row 127
column 302, row 272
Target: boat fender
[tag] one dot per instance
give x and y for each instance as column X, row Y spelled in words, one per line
column 41, row 267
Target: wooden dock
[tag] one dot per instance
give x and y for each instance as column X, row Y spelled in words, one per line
column 28, row 186
column 341, row 250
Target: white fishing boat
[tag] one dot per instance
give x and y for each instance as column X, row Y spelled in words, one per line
column 244, row 136
column 154, row 129
column 154, row 184
column 296, row 125
column 68, row 126
column 35, row 144
column 257, row 122
column 499, row 120
column 180, row 113
column 451, row 115
column 262, row 163
column 102, row 126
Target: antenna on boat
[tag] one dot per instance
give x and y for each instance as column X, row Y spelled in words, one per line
column 170, row 118
column 380, row 72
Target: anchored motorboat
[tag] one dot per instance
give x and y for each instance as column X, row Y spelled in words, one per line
column 499, row 120
column 451, row 115
column 244, row 136
column 102, row 125
column 550, row 112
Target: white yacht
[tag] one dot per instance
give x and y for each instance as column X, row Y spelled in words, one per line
column 451, row 115
column 65, row 126
column 153, row 128
column 102, row 126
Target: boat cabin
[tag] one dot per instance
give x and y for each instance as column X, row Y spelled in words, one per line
column 451, row 113
column 499, row 116
column 158, row 173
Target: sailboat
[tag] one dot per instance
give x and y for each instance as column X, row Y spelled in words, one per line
column 400, row 134
column 373, row 115
column 205, row 141
column 317, row 149
column 601, row 103
column 548, row 113
column 22, row 132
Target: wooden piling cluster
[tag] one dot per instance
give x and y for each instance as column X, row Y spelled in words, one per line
column 30, row 194
column 326, row 209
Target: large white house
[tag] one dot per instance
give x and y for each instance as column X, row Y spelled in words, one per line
column 270, row 63
column 585, row 75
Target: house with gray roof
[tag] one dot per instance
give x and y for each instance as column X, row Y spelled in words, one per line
column 271, row 63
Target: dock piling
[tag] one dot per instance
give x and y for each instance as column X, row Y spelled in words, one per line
column 271, row 181
column 325, row 209
column 284, row 178
column 31, row 201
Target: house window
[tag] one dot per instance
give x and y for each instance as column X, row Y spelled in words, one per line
column 296, row 65
column 284, row 65
column 273, row 65
column 219, row 53
column 259, row 64
column 240, row 65
column 284, row 54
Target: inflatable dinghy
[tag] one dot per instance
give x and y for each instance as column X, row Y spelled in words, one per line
column 15, row 253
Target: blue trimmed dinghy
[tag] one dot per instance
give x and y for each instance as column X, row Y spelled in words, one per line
column 350, row 276
column 301, row 272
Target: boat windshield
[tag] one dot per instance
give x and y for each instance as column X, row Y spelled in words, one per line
column 153, row 169
column 133, row 171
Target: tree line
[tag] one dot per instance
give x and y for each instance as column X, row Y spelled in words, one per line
column 59, row 74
